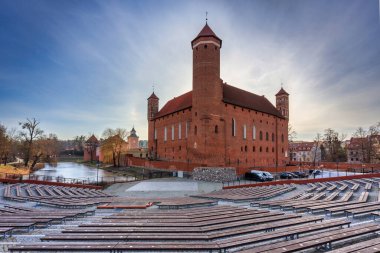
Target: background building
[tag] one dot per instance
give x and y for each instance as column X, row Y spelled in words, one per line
column 303, row 151
column 217, row 124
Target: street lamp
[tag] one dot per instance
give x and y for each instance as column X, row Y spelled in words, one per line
column 97, row 173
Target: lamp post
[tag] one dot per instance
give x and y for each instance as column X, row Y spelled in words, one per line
column 97, row 173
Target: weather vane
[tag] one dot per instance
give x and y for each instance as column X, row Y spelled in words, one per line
column 153, row 87
column 206, row 17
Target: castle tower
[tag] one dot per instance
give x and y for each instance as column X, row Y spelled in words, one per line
column 133, row 139
column 152, row 106
column 207, row 95
column 207, row 85
column 282, row 102
column 152, row 110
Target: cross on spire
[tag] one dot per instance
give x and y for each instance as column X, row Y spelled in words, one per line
column 206, row 17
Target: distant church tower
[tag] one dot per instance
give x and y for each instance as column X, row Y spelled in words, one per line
column 153, row 103
column 133, row 140
column 282, row 103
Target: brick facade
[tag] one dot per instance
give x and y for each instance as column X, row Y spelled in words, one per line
column 217, row 124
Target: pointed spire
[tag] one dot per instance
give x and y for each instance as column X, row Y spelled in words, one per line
column 282, row 91
column 207, row 32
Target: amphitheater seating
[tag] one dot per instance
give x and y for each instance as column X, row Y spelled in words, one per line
column 14, row 218
column 368, row 246
column 320, row 240
column 247, row 194
column 58, row 196
column 206, row 229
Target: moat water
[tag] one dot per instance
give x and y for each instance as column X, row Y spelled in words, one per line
column 75, row 171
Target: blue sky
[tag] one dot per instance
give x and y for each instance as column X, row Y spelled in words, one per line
column 82, row 66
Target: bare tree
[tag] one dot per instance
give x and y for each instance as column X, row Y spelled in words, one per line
column 361, row 138
column 29, row 134
column 317, row 141
column 113, row 143
column 292, row 134
column 333, row 148
column 5, row 144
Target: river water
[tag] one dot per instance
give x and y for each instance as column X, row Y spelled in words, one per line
column 70, row 171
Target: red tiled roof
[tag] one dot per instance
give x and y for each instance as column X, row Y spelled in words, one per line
column 207, row 32
column 301, row 146
column 231, row 95
column 282, row 92
column 153, row 96
column 236, row 96
column 176, row 104
column 92, row 139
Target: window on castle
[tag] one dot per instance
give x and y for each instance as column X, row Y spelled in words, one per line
column 267, row 136
column 254, row 132
column 205, row 46
column 155, row 134
column 172, row 132
column 272, row 150
column 245, row 148
column 245, row 132
column 195, row 130
column 186, row 128
column 179, row 130
column 216, row 129
column 272, row 136
column 253, row 149
column 282, row 137
column 233, row 127
column 165, row 134
column 267, row 149
column 261, row 149
column 261, row 135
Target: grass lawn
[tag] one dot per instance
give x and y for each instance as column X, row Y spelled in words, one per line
column 13, row 170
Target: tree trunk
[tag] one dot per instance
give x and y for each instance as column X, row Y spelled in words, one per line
column 36, row 158
column 114, row 159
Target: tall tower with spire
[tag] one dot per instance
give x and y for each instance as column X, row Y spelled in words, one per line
column 153, row 103
column 207, row 92
column 282, row 102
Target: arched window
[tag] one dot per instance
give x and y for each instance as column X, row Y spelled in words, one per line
column 165, row 134
column 254, row 132
column 245, row 148
column 253, row 149
column 267, row 136
column 245, row 132
column 282, row 137
column 261, row 149
column 195, row 130
column 273, row 137
column 272, row 150
column 267, row 149
column 216, row 129
column 261, row 135
column 233, row 127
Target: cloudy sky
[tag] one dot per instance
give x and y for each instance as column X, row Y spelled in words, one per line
column 82, row 66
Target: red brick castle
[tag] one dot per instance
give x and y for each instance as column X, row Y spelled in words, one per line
column 217, row 124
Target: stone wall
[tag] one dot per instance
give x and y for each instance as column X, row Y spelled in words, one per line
column 214, row 174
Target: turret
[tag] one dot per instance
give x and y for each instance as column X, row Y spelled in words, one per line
column 152, row 106
column 282, row 102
